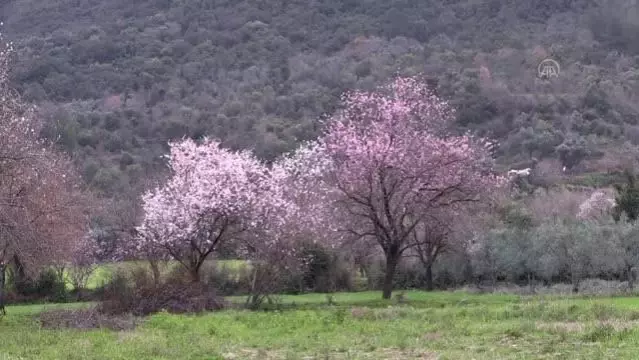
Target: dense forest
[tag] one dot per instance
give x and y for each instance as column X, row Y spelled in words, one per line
column 116, row 79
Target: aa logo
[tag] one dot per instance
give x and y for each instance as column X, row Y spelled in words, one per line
column 548, row 68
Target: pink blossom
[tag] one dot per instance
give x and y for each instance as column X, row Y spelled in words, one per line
column 214, row 195
column 396, row 166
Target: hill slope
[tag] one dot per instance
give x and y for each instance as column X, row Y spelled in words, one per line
column 117, row 79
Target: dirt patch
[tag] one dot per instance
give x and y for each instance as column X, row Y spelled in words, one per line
column 434, row 336
column 86, row 319
column 360, row 312
column 386, row 353
column 565, row 326
column 396, row 354
column 620, row 325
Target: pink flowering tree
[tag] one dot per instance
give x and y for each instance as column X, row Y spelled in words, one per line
column 214, row 196
column 313, row 215
column 83, row 263
column 395, row 166
column 116, row 229
column 43, row 208
column 307, row 196
column 297, row 211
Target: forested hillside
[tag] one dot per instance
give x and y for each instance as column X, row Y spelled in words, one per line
column 117, row 79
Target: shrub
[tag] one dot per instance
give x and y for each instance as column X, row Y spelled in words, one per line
column 267, row 280
column 318, row 264
column 140, row 295
column 47, row 286
column 375, row 273
column 409, row 275
column 51, row 287
column 79, row 275
column 324, row 271
column 229, row 281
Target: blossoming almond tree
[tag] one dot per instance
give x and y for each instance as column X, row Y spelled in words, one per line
column 298, row 210
column 213, row 196
column 308, row 198
column 395, row 166
column 43, row 210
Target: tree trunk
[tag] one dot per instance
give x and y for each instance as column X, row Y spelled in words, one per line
column 531, row 282
column 59, row 270
column 469, row 273
column 155, row 270
column 391, row 266
column 195, row 274
column 3, row 268
column 19, row 273
column 194, row 268
column 254, row 300
column 429, row 277
column 631, row 278
column 575, row 284
column 493, row 281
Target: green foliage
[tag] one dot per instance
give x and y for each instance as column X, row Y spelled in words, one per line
column 515, row 216
column 46, row 286
column 572, row 151
column 324, row 271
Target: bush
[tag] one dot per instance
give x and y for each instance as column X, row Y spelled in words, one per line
column 449, row 271
column 324, row 271
column 292, row 283
column 268, row 279
column 140, row 295
column 318, row 265
column 409, row 275
column 48, row 286
column 375, row 273
column 51, row 287
column 229, row 281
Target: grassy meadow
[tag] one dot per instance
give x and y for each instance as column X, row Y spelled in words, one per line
column 441, row 325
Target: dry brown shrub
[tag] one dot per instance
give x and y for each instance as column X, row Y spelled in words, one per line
column 144, row 297
column 433, row 336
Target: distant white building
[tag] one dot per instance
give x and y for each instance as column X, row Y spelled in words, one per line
column 522, row 172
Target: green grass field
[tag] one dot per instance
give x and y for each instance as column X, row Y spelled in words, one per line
column 360, row 326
